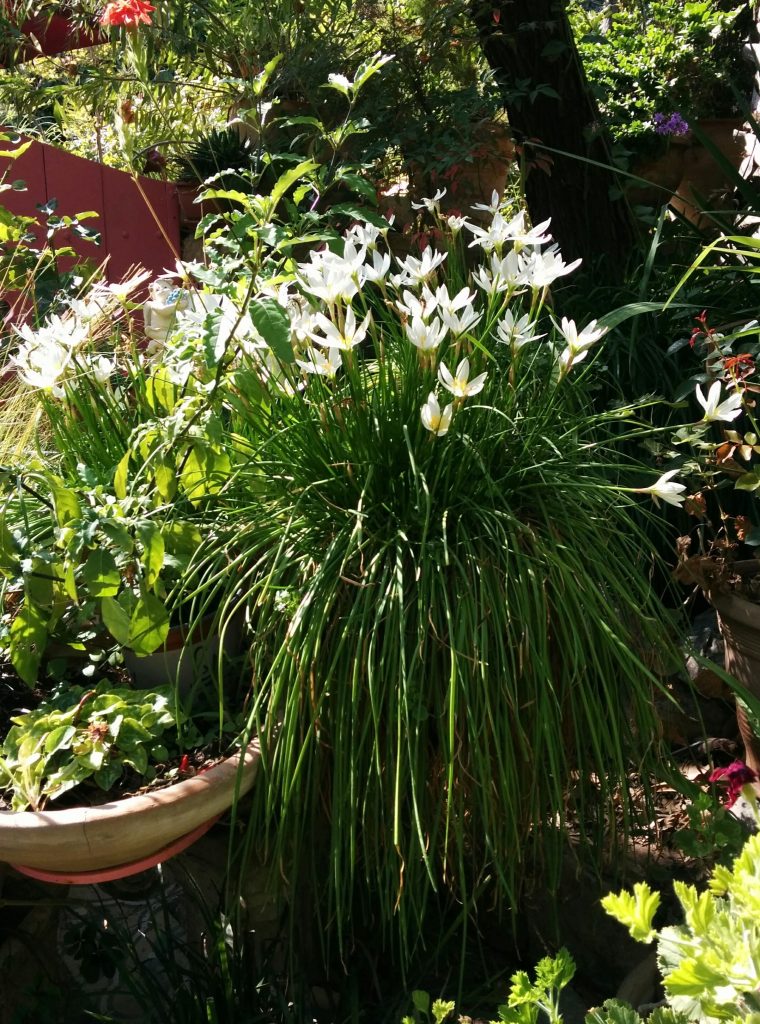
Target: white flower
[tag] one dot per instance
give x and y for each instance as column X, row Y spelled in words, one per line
column 494, row 206
column 577, row 344
column 433, row 419
column 347, row 338
column 412, row 306
column 500, row 231
column 426, row 337
column 506, row 273
column 456, row 223
column 666, row 491
column 517, row 333
column 68, row 333
column 714, row 408
column 333, row 278
column 42, row 366
column 460, row 385
column 543, row 269
column 326, row 365
column 101, row 368
column 431, row 205
column 379, row 268
column 121, row 290
column 580, row 342
column 416, row 271
column 461, row 323
column 365, row 234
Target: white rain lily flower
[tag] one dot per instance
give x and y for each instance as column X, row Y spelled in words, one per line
column 463, row 298
column 431, row 205
column 324, row 364
column 460, row 384
column 500, row 231
column 666, row 490
column 378, row 269
column 456, row 223
column 416, row 271
column 43, row 366
column 182, row 270
column 505, row 274
column 101, row 367
column 330, row 280
column 449, row 307
column 413, row 306
column 365, row 234
column 493, row 208
column 349, row 337
column 517, row 332
column 460, row 324
column 578, row 344
column 715, row 409
column 543, row 269
column 426, row 337
column 92, row 308
column 433, row 419
column 68, row 333
column 121, row 290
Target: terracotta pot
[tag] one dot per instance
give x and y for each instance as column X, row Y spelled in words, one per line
column 191, row 212
column 665, row 174
column 124, row 836
column 739, row 621
column 702, row 175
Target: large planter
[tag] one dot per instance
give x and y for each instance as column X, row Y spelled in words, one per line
column 739, row 621
column 703, row 177
column 84, row 844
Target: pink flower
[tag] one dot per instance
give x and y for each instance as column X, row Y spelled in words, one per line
column 737, row 775
column 129, row 13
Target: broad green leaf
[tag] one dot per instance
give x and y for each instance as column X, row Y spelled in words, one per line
column 273, row 324
column 116, row 620
column 613, row 1011
column 66, row 503
column 101, row 574
column 149, row 625
column 635, row 910
column 421, row 1000
column 28, row 637
column 137, row 758
column 120, row 477
column 153, row 551
column 9, row 563
column 289, row 178
column 59, row 738
column 182, row 537
column 748, row 481
column 692, row 977
column 166, row 479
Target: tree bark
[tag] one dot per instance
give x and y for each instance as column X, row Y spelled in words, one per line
column 530, row 46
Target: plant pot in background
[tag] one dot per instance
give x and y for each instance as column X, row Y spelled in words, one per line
column 739, row 621
column 703, row 177
column 189, row 657
column 664, row 172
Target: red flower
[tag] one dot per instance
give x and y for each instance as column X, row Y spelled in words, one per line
column 129, row 13
column 737, row 775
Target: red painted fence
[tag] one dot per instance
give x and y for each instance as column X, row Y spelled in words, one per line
column 138, row 220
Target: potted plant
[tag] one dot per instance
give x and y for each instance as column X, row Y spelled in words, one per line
column 647, row 65
column 716, row 454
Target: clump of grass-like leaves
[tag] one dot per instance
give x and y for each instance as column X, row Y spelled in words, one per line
column 452, row 624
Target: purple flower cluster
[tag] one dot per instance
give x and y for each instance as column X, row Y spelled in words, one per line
column 670, row 124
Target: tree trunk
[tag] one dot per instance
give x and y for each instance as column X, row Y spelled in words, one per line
column 530, row 46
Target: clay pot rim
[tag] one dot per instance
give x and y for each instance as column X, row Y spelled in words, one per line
column 121, row 831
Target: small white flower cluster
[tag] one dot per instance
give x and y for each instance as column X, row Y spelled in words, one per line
column 60, row 350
